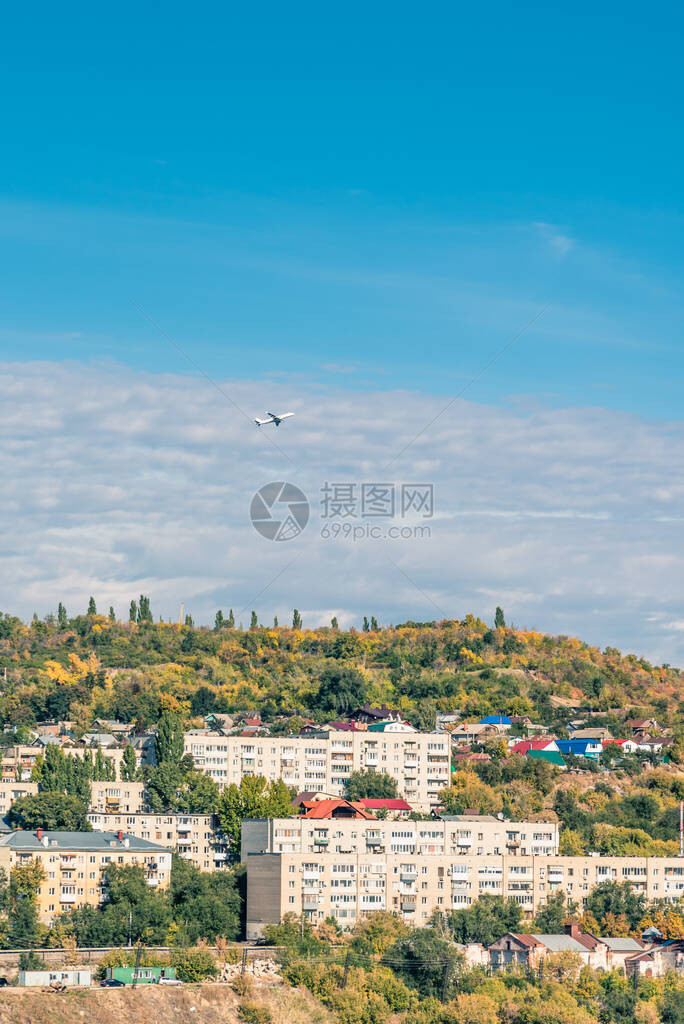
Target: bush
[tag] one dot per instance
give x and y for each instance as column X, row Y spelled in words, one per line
column 242, row 985
column 354, row 1007
column 30, row 961
column 195, row 963
column 253, row 1014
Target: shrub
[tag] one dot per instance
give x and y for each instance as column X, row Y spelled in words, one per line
column 242, row 985
column 250, row 1013
column 354, row 1007
column 195, row 963
column 30, row 961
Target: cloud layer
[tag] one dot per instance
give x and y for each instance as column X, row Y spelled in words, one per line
column 117, row 482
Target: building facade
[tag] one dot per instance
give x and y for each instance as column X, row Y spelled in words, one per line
column 324, row 760
column 454, row 836
column 118, row 797
column 75, row 863
column 11, row 791
column 414, row 883
column 192, row 836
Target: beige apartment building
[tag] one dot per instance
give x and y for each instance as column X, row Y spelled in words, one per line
column 118, row 797
column 11, row 791
column 458, row 835
column 322, row 762
column 349, row 886
column 75, row 862
column 192, row 836
column 19, row 761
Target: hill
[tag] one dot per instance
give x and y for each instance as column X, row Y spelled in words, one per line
column 95, row 666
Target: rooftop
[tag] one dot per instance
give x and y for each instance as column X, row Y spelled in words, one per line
column 101, row 841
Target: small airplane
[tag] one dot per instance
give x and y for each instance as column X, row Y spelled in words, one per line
column 272, row 418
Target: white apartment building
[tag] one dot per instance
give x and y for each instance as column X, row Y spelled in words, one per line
column 480, row 835
column 349, row 886
column 322, row 762
column 192, row 836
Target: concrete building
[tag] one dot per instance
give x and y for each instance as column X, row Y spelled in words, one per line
column 603, row 954
column 116, row 797
column 452, row 836
column 11, row 791
column 324, row 760
column 192, row 836
column 329, row 881
column 75, row 864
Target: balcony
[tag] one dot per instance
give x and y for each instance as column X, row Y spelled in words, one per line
column 67, row 897
column 408, row 875
column 220, row 856
column 309, row 903
column 184, row 841
column 310, row 888
column 408, row 906
column 464, row 841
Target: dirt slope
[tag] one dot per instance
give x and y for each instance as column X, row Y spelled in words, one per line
column 205, row 1004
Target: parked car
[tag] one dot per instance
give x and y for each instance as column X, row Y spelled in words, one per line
column 169, row 981
column 112, row 983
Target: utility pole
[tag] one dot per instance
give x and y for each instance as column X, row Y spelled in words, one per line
column 346, row 969
column 130, row 928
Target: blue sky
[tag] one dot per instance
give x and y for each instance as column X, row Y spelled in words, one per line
column 377, row 189
column 349, row 212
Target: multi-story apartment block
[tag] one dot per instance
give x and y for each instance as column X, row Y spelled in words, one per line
column 323, row 761
column 349, row 886
column 19, row 761
column 11, row 791
column 459, row 835
column 192, row 836
column 115, row 797
column 75, row 864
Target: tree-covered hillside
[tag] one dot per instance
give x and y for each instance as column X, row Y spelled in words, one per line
column 95, row 666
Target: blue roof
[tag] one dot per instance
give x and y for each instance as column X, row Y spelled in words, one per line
column 495, row 720
column 576, row 746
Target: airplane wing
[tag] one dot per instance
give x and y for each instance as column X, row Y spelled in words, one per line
column 284, row 415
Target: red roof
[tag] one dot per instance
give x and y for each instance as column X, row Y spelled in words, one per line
column 392, row 804
column 327, row 809
column 524, row 745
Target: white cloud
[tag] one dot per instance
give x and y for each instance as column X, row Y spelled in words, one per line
column 117, row 482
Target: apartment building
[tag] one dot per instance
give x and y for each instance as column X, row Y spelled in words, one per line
column 75, row 864
column 481, row 835
column 349, row 886
column 18, row 761
column 11, row 791
column 118, row 797
column 192, row 836
column 323, row 761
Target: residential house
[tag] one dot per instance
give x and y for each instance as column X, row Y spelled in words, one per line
column 368, row 714
column 590, row 748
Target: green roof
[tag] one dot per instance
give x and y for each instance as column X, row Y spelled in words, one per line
column 552, row 756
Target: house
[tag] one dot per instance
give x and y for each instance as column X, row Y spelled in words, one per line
column 622, row 746
column 368, row 714
column 530, row 950
column 395, row 808
column 391, row 726
column 503, row 721
column 480, row 732
column 309, row 796
column 642, row 725
column 524, row 746
column 336, row 809
column 600, row 734
column 219, row 722
column 469, row 755
column 444, row 721
column 590, row 748
column 100, row 739
column 659, row 957
column 552, row 757
column 120, row 729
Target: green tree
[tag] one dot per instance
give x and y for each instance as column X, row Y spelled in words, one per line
column 374, row 624
column 218, row 621
column 50, row 811
column 372, row 785
column 129, row 767
column 112, row 613
column 499, row 620
column 253, row 798
column 486, row 920
column 25, row 930
column 334, row 623
column 92, row 609
column 231, row 619
column 366, row 624
column 341, row 689
column 253, row 623
column 424, row 961
column 204, row 905
column 133, row 612
column 168, row 741
column 296, row 620
column 551, row 918
column 62, row 621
